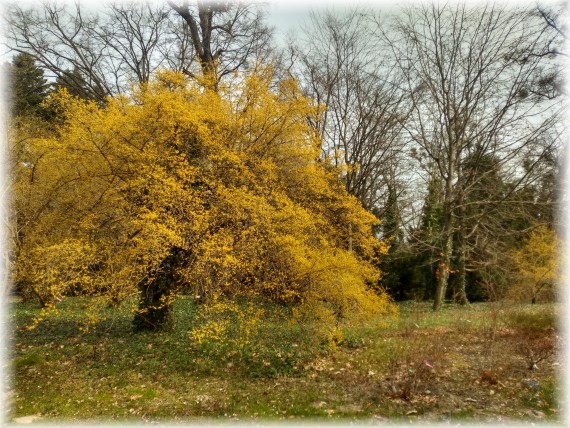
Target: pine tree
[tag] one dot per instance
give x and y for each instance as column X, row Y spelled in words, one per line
column 29, row 87
column 74, row 82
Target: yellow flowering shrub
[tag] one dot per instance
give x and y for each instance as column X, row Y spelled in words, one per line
column 537, row 267
column 40, row 267
column 228, row 323
column 233, row 179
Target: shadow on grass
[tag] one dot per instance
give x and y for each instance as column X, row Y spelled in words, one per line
column 112, row 348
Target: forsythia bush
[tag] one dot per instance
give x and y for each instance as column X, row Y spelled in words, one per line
column 536, row 266
column 42, row 269
column 226, row 322
column 232, row 179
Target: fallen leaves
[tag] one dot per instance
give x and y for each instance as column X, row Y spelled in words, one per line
column 488, row 377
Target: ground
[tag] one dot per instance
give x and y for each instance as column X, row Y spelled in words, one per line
column 464, row 364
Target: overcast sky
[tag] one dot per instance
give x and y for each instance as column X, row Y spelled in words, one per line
column 287, row 17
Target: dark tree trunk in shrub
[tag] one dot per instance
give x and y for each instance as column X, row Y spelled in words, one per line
column 154, row 306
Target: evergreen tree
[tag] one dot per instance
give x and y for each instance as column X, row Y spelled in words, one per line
column 391, row 218
column 410, row 265
column 29, row 87
column 427, row 237
column 74, row 82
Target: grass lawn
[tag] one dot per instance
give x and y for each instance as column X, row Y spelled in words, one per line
column 468, row 364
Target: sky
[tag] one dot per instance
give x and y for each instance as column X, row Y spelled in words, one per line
column 287, row 17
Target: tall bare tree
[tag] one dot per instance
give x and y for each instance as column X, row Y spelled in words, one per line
column 226, row 35
column 363, row 111
column 469, row 72
column 107, row 48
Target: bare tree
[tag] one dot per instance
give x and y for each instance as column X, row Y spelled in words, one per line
column 107, row 49
column 550, row 83
column 226, row 36
column 363, row 111
column 552, row 16
column 468, row 73
column 134, row 34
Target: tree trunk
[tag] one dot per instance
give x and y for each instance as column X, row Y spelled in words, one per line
column 461, row 293
column 448, row 226
column 442, row 273
column 201, row 36
column 154, row 305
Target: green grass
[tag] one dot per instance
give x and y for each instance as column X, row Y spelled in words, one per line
column 532, row 318
column 285, row 373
